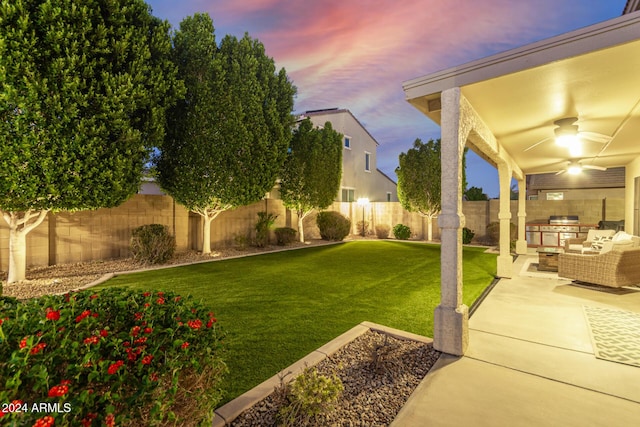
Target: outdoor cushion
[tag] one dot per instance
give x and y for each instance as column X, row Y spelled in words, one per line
column 621, row 235
column 592, row 234
column 581, row 245
column 625, row 240
column 598, row 242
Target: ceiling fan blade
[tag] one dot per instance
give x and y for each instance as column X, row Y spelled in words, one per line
column 561, row 172
column 538, row 143
column 599, row 168
column 595, row 137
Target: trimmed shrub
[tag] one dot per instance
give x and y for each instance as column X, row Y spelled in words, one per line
column 310, row 394
column 493, row 233
column 382, row 231
column 401, row 232
column 285, row 235
column 110, row 357
column 240, row 242
column 333, row 225
column 152, row 244
column 467, row 235
column 362, row 227
column 263, row 226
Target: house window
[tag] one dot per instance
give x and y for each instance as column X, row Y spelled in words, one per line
column 555, row 196
column 388, row 196
column 347, row 142
column 367, row 161
column 348, row 194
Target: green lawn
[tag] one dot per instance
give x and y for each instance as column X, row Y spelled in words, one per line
column 278, row 307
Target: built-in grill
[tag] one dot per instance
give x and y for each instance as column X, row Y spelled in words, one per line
column 556, row 231
column 560, row 228
column 563, row 219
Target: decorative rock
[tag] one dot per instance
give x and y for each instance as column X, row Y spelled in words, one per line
column 371, row 397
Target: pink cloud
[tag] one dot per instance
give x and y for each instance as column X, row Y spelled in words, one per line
column 355, row 54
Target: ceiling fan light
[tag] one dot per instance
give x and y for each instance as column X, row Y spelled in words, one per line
column 574, row 169
column 567, row 135
column 566, row 139
column 575, row 149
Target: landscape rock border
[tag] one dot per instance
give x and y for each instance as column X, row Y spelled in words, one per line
column 227, row 413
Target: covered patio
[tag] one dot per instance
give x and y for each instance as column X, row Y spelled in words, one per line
column 513, row 109
column 531, row 362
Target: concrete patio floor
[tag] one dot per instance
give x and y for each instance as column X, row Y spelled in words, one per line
column 530, row 362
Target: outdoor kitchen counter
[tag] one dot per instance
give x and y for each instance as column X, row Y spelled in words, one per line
column 539, row 234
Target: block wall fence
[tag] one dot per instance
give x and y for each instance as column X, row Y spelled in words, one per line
column 69, row 237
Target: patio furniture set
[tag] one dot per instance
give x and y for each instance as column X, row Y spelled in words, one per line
column 605, row 257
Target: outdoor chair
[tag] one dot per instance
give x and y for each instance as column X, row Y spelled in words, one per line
column 615, row 268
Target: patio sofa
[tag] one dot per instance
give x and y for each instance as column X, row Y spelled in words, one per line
column 615, row 268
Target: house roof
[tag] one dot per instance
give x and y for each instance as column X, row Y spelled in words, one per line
column 631, row 6
column 590, row 73
column 386, row 176
column 589, row 178
column 336, row 110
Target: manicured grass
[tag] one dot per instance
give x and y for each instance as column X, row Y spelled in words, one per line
column 278, row 307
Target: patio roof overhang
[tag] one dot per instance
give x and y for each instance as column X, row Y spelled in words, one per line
column 592, row 73
column 504, row 108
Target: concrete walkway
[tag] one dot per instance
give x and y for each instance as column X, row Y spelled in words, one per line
column 530, row 362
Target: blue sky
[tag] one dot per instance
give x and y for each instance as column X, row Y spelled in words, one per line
column 355, row 54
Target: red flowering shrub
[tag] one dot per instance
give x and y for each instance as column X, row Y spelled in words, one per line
column 112, row 357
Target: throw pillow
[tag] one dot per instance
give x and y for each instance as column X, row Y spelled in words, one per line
column 621, row 235
column 598, row 242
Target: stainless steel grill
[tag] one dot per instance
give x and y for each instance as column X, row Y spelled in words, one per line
column 560, row 227
column 563, row 219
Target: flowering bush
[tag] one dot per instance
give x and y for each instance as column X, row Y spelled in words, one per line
column 109, row 357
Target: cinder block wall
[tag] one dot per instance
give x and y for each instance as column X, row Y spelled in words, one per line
column 67, row 237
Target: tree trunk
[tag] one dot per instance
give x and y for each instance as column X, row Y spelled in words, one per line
column 301, row 216
column 20, row 224
column 206, row 237
column 429, row 228
column 300, row 228
column 17, row 256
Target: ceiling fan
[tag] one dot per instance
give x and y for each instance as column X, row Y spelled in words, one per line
column 574, row 167
column 567, row 134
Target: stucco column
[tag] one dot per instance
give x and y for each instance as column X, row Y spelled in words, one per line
column 505, row 261
column 521, row 243
column 451, row 317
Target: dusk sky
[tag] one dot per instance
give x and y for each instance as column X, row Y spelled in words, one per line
column 355, row 54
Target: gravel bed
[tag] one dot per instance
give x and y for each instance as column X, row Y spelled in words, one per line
column 61, row 278
column 374, row 392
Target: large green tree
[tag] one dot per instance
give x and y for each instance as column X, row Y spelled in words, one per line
column 475, row 194
column 311, row 175
column 228, row 138
column 83, row 92
column 419, row 180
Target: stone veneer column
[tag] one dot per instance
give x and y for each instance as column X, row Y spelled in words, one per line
column 521, row 243
column 451, row 317
column 505, row 261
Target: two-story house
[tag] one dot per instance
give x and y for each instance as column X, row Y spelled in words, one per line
column 360, row 176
